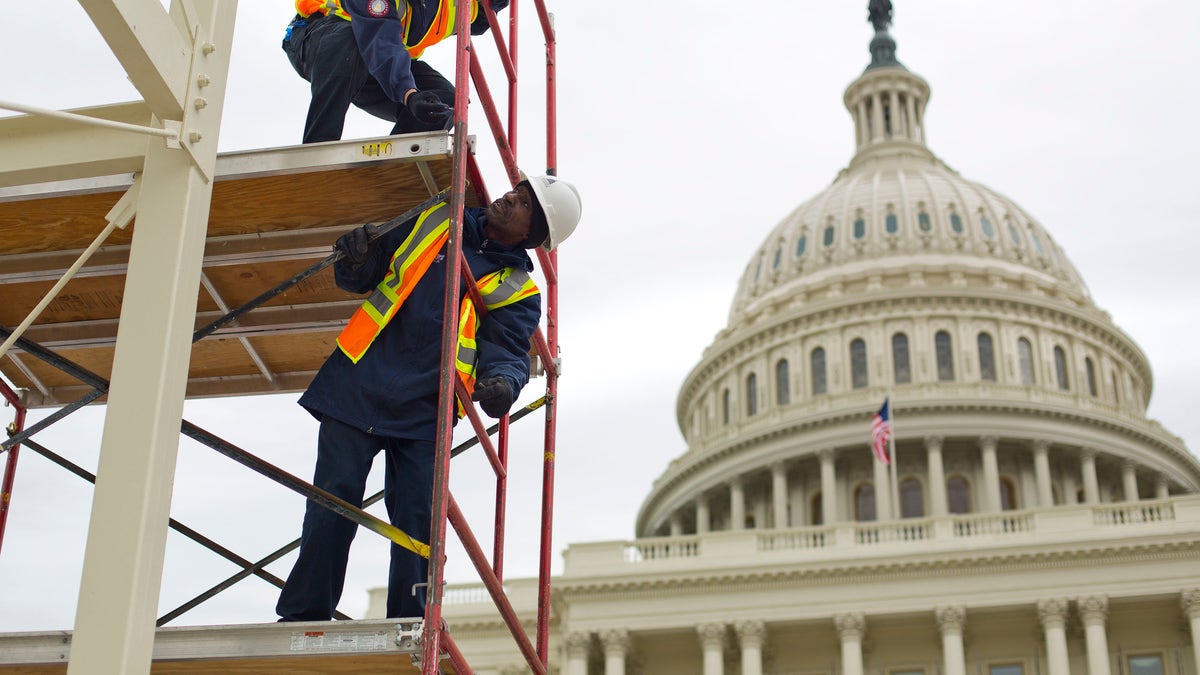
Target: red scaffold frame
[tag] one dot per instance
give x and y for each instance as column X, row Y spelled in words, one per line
column 466, row 175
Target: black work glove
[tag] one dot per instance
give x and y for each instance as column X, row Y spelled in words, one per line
column 427, row 107
column 495, row 396
column 355, row 244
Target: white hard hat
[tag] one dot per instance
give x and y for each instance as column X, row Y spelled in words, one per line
column 560, row 204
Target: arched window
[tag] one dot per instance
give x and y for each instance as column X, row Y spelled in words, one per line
column 912, row 501
column 783, row 392
column 828, row 236
column 858, row 363
column 945, row 357
column 956, row 223
column 816, row 510
column 751, row 395
column 1060, row 368
column 818, row 371
column 864, row 502
column 1090, row 368
column 1025, row 360
column 987, row 358
column 891, row 224
column 903, row 374
column 958, row 494
column 860, row 228
column 1116, row 389
column 923, row 222
column 1008, row 494
column 801, row 244
column 725, row 407
column 778, row 257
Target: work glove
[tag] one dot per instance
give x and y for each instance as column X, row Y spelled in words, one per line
column 355, row 244
column 494, row 395
column 427, row 107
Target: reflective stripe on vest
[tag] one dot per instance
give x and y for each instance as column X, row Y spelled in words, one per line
column 409, row 263
column 307, row 8
column 441, row 27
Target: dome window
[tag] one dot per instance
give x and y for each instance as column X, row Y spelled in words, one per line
column 864, row 502
column 956, row 223
column 858, row 363
column 801, row 245
column 1037, row 243
column 778, row 257
column 1060, row 368
column 725, row 407
column 828, row 239
column 1008, row 494
column 1012, row 232
column 891, row 223
column 1025, row 361
column 900, row 369
column 1091, row 375
column 958, row 494
column 945, row 356
column 818, row 371
column 758, row 271
column 986, row 226
column 912, row 501
column 923, row 222
column 860, row 228
column 751, row 395
column 783, row 393
column 987, row 358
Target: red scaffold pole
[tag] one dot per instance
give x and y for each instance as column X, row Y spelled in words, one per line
column 431, row 644
column 10, row 461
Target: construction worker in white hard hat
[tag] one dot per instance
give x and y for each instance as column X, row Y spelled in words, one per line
column 378, row 390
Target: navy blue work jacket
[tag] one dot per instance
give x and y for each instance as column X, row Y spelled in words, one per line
column 392, row 390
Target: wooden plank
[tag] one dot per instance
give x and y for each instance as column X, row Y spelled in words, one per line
column 274, row 213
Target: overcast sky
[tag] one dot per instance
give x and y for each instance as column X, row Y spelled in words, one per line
column 690, row 133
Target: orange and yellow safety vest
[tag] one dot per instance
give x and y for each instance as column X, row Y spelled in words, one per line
column 440, row 28
column 409, row 263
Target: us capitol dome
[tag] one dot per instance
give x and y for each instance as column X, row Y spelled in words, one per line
column 1036, row 522
column 1010, row 387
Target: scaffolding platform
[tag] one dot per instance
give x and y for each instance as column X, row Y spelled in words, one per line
column 274, row 213
column 301, row 648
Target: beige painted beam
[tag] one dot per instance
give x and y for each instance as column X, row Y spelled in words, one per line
column 145, row 40
column 37, row 149
column 123, row 559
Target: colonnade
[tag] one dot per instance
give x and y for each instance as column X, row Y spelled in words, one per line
column 749, row 638
column 787, row 504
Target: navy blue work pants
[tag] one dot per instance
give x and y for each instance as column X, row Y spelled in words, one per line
column 344, row 457
column 325, row 53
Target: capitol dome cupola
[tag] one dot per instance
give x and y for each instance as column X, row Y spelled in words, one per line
column 887, row 102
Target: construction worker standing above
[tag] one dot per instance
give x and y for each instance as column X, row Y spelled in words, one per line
column 379, row 388
column 366, row 52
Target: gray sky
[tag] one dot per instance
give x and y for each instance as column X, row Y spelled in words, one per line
column 689, row 144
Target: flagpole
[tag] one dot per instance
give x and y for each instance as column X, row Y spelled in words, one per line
column 892, row 456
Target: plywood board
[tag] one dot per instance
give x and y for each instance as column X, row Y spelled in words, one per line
column 274, row 213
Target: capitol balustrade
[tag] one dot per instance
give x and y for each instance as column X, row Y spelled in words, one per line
column 863, row 540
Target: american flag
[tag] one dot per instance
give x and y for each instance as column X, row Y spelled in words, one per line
column 881, row 431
